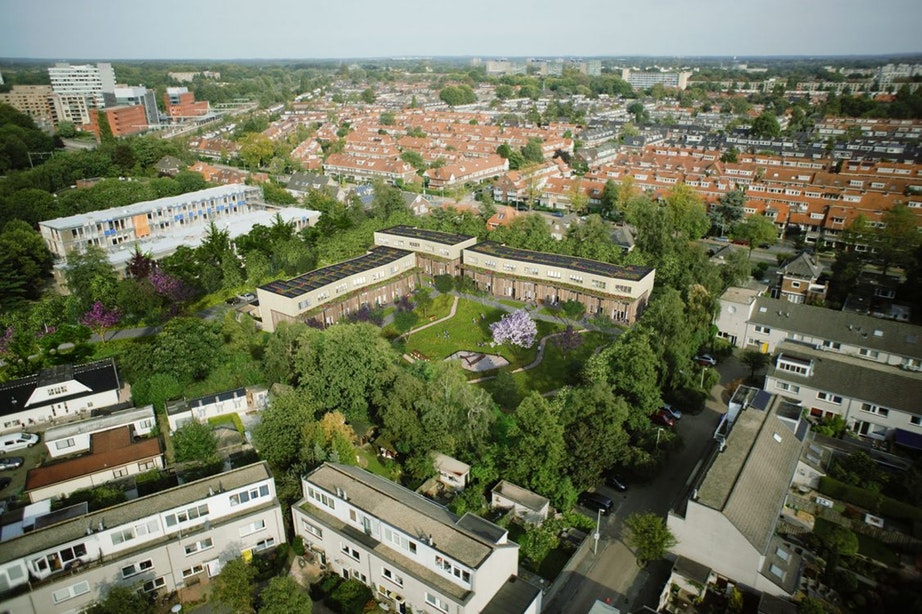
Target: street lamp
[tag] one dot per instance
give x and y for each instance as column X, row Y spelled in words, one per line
column 596, row 535
column 703, row 369
column 658, row 431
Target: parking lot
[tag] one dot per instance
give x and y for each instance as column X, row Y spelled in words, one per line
column 32, row 458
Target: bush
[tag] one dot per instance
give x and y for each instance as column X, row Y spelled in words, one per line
column 297, row 545
column 350, row 597
column 444, row 283
column 868, row 499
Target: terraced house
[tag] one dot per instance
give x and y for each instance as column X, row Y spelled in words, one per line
column 415, row 554
column 168, row 541
column 392, row 269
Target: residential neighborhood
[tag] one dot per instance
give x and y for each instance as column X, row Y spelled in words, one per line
column 460, row 332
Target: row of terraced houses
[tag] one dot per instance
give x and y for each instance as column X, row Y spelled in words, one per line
column 403, row 254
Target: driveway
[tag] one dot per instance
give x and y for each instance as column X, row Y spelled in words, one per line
column 613, row 573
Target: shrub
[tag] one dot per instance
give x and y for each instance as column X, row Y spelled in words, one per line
column 350, row 597
column 444, row 283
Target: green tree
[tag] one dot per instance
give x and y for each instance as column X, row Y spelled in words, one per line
column 573, row 310
column 765, row 125
column 284, row 596
column 898, row 239
column 456, row 95
column 536, row 544
column 423, row 299
column 755, row 230
column 532, row 152
column 649, row 537
column 256, row 149
column 235, row 586
column 121, row 599
column 194, row 441
column 25, row 264
column 90, row 277
column 536, row 427
column 368, row 95
column 755, row 360
column 629, row 366
column 728, row 210
column 278, row 436
column 594, row 433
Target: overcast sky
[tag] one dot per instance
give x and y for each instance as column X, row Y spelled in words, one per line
column 261, row 29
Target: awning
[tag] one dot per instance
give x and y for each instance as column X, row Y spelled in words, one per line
column 908, row 439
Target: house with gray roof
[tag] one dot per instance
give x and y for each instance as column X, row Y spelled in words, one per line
column 727, row 519
column 158, row 544
column 799, row 279
column 415, row 555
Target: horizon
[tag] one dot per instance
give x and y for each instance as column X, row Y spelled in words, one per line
column 212, row 30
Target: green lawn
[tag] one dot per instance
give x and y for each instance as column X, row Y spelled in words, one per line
column 466, row 330
column 372, row 463
column 232, row 419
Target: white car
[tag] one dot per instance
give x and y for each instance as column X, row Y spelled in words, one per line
column 17, row 441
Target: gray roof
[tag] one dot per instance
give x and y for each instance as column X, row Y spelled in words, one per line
column 853, row 377
column 749, row 480
column 129, row 511
column 847, row 328
column 522, row 496
column 693, row 570
column 411, row 513
column 516, row 595
column 803, row 266
column 101, row 423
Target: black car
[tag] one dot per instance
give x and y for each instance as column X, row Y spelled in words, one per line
column 616, row 482
column 11, row 462
column 595, row 502
column 4, row 482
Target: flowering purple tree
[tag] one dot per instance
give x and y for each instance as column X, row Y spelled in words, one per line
column 568, row 340
column 100, row 320
column 6, row 340
column 516, row 328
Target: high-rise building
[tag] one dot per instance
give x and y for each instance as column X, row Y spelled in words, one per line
column 643, row 80
column 80, row 88
column 125, row 95
column 37, row 101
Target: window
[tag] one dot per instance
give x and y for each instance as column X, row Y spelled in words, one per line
column 783, row 554
column 832, row 345
column 64, row 444
column 122, row 536
column 786, row 386
column 868, row 353
column 509, row 267
column 393, row 577
column 247, row 495
column 146, row 465
column 622, row 288
column 315, row 531
column 436, row 602
column 195, row 569
column 915, row 420
column 120, row 472
column 265, row 544
column 874, row 409
column 791, row 365
column 829, row 397
column 795, row 284
column 400, row 540
column 152, row 585
column 577, row 278
column 253, row 527
column 136, row 568
column 321, row 497
column 490, row 263
column 204, row 544
column 75, row 590
column 531, row 270
column 598, row 284
column 349, row 551
column 776, row 571
column 762, row 329
column 188, row 514
column 554, row 274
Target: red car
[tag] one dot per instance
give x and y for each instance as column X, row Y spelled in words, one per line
column 663, row 419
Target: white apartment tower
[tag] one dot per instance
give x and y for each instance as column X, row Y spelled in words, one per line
column 80, row 88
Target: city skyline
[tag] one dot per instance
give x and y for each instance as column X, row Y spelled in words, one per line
column 285, row 29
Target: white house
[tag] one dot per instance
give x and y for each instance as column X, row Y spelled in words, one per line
column 74, row 437
column 527, row 505
column 157, row 544
column 59, row 393
column 415, row 554
column 239, row 401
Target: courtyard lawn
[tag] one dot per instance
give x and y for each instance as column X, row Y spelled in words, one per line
column 556, row 369
column 231, row 419
column 468, row 329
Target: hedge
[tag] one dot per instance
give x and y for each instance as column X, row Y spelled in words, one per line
column 870, row 500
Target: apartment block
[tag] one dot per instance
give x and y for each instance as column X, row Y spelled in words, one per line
column 80, row 88
column 180, row 103
column 75, row 437
column 123, row 120
column 437, row 253
column 124, row 95
column 164, row 542
column 413, row 553
column 160, row 226
column 643, row 80
column 37, row 101
column 381, row 276
column 617, row 292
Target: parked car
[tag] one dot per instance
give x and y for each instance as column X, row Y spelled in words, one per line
column 616, row 482
column 4, row 482
column 663, row 419
column 11, row 462
column 705, row 360
column 246, row 297
column 17, row 441
column 673, row 413
column 595, row 502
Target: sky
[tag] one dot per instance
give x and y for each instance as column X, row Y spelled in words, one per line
column 301, row 29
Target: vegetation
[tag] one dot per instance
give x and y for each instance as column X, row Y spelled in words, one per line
column 649, row 537
column 235, row 587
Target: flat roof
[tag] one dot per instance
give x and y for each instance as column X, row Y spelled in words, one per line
column 515, row 596
column 302, row 284
column 123, row 513
column 604, row 269
column 104, row 215
column 436, row 236
column 99, row 423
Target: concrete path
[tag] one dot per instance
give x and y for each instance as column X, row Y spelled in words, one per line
column 451, row 314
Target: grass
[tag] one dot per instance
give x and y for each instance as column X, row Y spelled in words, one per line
column 369, row 460
column 233, row 419
column 466, row 330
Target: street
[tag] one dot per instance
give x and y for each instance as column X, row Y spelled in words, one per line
column 613, row 573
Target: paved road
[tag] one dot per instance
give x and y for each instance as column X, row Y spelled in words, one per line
column 613, row 573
